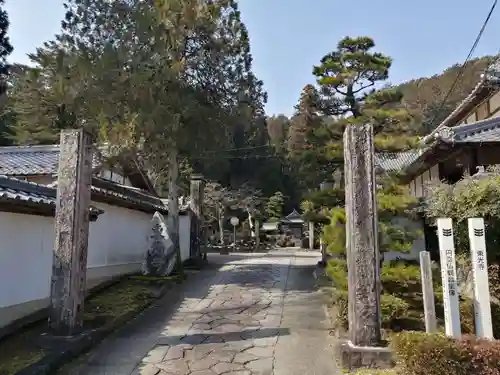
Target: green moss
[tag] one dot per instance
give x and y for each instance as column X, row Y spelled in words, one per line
column 17, row 353
column 20, row 350
column 116, row 301
column 372, row 372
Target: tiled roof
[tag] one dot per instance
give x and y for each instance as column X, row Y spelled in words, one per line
column 293, row 215
column 124, row 196
column 31, row 160
column 489, row 84
column 395, row 161
column 444, row 139
column 133, row 197
column 19, row 192
column 24, row 191
column 481, row 131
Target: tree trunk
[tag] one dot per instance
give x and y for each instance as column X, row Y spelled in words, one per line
column 257, row 234
column 252, row 232
column 311, row 235
column 173, row 207
column 221, row 227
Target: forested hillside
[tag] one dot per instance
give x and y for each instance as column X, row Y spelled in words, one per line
column 422, row 97
column 223, row 131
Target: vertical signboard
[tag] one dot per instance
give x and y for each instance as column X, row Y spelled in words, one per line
column 482, row 307
column 449, row 277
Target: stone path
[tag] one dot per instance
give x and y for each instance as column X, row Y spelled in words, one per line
column 259, row 315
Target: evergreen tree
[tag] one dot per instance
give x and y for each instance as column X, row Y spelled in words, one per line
column 310, row 136
column 277, row 127
column 44, row 99
column 274, row 206
column 347, row 77
column 6, row 116
column 5, row 47
column 305, row 121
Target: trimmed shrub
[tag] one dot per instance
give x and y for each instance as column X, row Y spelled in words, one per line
column 401, row 278
column 467, row 317
column 486, row 355
column 392, row 308
column 435, row 354
column 494, row 277
column 467, row 323
column 285, row 241
column 340, row 300
column 430, row 354
column 336, row 269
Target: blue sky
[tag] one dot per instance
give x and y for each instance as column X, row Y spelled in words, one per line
column 288, row 37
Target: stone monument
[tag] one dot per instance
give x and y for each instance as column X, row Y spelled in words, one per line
column 160, row 257
column 362, row 248
column 74, row 178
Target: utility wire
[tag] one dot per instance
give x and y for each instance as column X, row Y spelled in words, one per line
column 462, row 69
column 235, row 149
column 233, row 157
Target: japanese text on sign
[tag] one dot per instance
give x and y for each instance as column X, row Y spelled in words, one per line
column 480, row 260
column 450, row 273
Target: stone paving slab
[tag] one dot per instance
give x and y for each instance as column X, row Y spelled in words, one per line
column 234, row 330
column 248, row 322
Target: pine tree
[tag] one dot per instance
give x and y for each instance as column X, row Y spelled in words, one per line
column 347, row 77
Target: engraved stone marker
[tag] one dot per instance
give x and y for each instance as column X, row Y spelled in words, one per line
column 160, row 256
column 69, row 266
column 362, row 236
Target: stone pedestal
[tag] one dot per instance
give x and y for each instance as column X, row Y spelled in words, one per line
column 362, row 237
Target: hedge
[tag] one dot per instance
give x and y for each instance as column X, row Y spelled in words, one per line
column 420, row 353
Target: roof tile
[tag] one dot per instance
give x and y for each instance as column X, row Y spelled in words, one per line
column 481, row 131
column 13, row 189
column 395, row 161
column 31, row 160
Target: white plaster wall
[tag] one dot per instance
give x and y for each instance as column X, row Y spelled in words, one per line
column 117, row 244
column 25, row 257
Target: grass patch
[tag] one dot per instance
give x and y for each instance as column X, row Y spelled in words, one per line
column 114, row 302
column 372, row 372
column 16, row 352
column 20, row 350
column 154, row 278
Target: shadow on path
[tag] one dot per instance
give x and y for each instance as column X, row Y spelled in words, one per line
column 225, row 337
column 263, row 304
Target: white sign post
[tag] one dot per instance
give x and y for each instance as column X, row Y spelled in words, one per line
column 482, row 307
column 234, row 222
column 449, row 277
